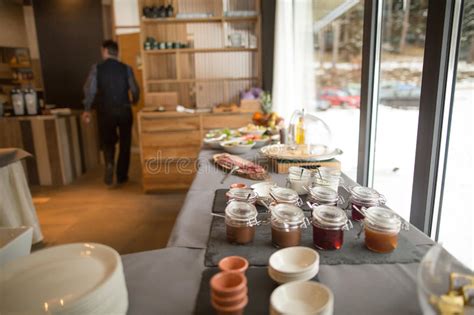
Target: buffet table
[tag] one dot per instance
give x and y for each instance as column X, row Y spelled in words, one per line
column 167, row 281
column 16, row 204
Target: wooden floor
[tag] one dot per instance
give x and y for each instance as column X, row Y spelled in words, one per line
column 124, row 217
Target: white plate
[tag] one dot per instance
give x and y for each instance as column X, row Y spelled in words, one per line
column 294, row 260
column 302, row 297
column 68, row 279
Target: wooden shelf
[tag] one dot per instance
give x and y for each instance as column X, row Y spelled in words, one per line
column 24, row 81
column 176, row 81
column 212, row 19
column 198, row 50
column 20, row 66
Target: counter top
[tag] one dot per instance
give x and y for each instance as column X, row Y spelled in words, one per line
column 179, row 114
column 167, row 280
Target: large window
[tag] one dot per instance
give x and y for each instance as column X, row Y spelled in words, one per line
column 456, row 230
column 401, row 65
column 338, row 27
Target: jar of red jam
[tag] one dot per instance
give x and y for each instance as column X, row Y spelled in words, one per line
column 242, row 194
column 329, row 223
column 286, row 223
column 285, row 195
column 363, row 198
column 381, row 229
column 320, row 195
column 240, row 221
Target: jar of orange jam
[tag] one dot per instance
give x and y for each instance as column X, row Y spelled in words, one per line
column 381, row 229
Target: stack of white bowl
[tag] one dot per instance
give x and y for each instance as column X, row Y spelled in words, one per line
column 303, row 298
column 69, row 279
column 293, row 264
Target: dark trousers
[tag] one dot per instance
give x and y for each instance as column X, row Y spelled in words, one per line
column 117, row 119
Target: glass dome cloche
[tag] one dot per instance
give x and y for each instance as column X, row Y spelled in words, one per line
column 308, row 139
column 306, row 128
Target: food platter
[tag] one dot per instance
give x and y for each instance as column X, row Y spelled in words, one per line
column 244, row 168
column 301, row 152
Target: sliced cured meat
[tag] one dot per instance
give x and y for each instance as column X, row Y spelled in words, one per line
column 246, row 167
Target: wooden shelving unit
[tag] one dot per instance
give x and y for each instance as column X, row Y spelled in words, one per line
column 212, row 19
column 212, row 70
column 197, row 50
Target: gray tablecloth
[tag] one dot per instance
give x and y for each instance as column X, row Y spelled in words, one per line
column 167, row 281
column 193, row 223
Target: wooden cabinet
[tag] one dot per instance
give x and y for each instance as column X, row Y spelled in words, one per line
column 170, row 144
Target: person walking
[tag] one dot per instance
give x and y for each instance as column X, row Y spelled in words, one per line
column 112, row 86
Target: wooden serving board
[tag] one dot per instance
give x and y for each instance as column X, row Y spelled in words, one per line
column 255, row 176
column 282, row 166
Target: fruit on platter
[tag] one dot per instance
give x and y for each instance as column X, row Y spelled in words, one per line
column 270, row 120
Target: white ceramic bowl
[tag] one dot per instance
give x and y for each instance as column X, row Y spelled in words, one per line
column 302, row 297
column 214, row 143
column 262, row 142
column 294, row 260
column 255, row 132
column 263, row 189
column 237, row 148
column 285, row 278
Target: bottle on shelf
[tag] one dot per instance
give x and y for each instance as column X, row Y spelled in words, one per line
column 31, row 101
column 18, row 102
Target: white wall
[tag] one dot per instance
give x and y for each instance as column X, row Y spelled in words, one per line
column 126, row 14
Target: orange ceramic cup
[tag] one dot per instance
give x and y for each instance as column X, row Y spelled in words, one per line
column 231, row 310
column 234, row 263
column 229, row 301
column 227, row 284
column 238, row 185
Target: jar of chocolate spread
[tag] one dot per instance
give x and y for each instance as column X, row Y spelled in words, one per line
column 287, row 220
column 240, row 221
column 242, row 194
column 285, row 195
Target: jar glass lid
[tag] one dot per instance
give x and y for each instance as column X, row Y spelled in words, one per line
column 323, row 193
column 296, row 172
column 365, row 193
column 284, row 194
column 382, row 218
column 330, row 216
column 241, row 194
column 241, row 211
column 329, row 171
column 287, row 213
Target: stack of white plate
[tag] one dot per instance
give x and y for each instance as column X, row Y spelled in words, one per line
column 69, row 279
column 293, row 264
column 303, row 298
